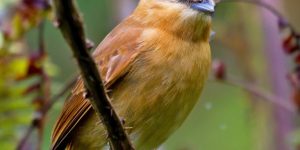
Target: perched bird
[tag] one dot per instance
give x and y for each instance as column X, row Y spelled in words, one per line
column 155, row 64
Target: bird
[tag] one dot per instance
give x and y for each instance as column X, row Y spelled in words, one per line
column 154, row 65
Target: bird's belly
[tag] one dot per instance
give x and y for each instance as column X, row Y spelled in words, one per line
column 153, row 100
column 157, row 120
column 152, row 108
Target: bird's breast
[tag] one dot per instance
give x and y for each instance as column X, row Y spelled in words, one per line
column 157, row 94
column 162, row 86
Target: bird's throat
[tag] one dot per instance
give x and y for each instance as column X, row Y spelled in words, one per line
column 178, row 20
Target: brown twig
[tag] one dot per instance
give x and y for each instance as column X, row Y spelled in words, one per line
column 61, row 93
column 255, row 90
column 70, row 24
column 24, row 140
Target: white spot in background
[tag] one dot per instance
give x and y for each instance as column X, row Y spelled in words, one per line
column 208, row 105
column 223, row 126
column 212, row 35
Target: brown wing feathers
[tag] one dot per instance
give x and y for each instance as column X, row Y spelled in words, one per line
column 73, row 111
column 114, row 56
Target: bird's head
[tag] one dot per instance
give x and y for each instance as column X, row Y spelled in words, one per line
column 185, row 18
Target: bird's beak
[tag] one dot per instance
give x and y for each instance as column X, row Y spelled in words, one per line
column 207, row 6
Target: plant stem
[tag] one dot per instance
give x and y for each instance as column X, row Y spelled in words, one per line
column 277, row 71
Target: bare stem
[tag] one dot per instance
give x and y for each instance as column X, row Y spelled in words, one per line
column 255, row 90
column 24, row 140
column 61, row 93
column 70, row 24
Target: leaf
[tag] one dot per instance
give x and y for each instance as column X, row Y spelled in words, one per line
column 19, row 67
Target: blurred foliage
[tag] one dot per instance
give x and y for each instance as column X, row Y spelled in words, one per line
column 19, row 69
column 13, row 107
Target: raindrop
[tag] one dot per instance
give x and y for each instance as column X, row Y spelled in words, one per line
column 223, row 127
column 208, row 105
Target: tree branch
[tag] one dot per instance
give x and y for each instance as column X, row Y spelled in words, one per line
column 256, row 91
column 58, row 95
column 70, row 24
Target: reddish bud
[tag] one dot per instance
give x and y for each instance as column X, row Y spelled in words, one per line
column 290, row 39
column 290, row 44
column 296, row 98
column 297, row 59
column 35, row 65
column 219, row 69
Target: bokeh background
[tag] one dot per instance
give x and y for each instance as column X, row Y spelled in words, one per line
column 247, row 40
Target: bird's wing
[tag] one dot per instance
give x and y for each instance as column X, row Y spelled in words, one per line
column 113, row 57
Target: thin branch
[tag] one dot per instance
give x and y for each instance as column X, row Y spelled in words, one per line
column 255, row 90
column 70, row 24
column 24, row 140
column 61, row 93
column 41, row 36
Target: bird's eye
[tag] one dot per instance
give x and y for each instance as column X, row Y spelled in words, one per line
column 191, row 1
column 196, row 1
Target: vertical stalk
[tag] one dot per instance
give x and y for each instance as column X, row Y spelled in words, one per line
column 277, row 71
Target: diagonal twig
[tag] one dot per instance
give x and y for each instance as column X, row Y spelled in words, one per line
column 255, row 90
column 70, row 24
